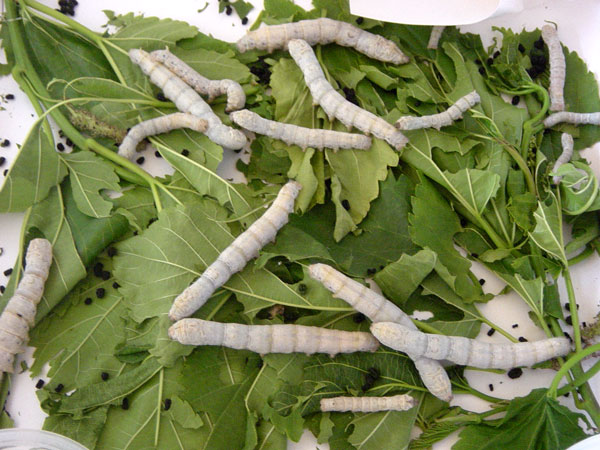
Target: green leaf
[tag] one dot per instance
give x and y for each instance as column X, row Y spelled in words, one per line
column 477, row 186
column 36, row 170
column 86, row 430
column 385, row 429
column 532, row 422
column 89, row 174
column 215, row 65
column 182, row 413
column 150, row 33
column 547, row 233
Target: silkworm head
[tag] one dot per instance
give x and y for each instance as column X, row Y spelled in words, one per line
column 319, row 271
column 241, row 117
column 389, row 333
column 136, row 55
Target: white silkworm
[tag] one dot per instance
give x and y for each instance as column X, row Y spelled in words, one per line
column 573, row 118
column 235, row 257
column 434, row 37
column 159, row 125
column 442, row 119
column 19, row 314
column 236, row 98
column 323, row 31
column 265, row 339
column 334, row 104
column 368, row 404
column 557, row 68
column 379, row 309
column 469, row 352
column 187, row 100
column 301, row 136
column 567, row 145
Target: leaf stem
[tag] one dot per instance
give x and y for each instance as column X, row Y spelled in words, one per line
column 569, row 364
column 573, row 309
column 161, row 381
column 583, row 378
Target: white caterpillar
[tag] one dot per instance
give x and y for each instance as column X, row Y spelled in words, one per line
column 265, row 339
column 159, row 125
column 187, row 100
column 368, row 404
column 442, row 119
column 235, row 257
column 434, row 37
column 334, row 104
column 573, row 118
column 301, row 136
column 19, row 314
column 379, row 309
column 567, row 145
column 323, row 31
column 236, row 98
column 469, row 352
column 557, row 68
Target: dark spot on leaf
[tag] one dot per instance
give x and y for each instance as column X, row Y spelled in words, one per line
column 98, row 269
column 482, row 71
column 105, row 275
column 104, row 376
column 116, row 285
column 100, row 292
column 496, row 54
column 59, row 387
column 167, row 404
column 478, row 62
column 161, row 97
column 489, row 61
column 302, row 288
column 260, row 363
column 185, row 152
column 539, row 44
column 125, row 403
column 88, row 301
column 521, row 48
column 112, row 251
column 359, row 20
column 346, row 204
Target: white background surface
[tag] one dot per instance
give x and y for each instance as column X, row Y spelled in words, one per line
column 578, row 22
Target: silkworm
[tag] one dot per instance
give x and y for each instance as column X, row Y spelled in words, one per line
column 323, row 31
column 334, row 104
column 187, row 100
column 19, row 314
column 573, row 118
column 265, row 339
column 567, row 145
column 233, row 259
column 442, row 119
column 86, row 121
column 469, row 352
column 379, row 309
column 159, row 125
column 368, row 404
column 236, row 98
column 434, row 37
column 301, row 136
column 557, row 68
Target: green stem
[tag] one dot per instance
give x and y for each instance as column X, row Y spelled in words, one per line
column 586, row 253
column 583, row 378
column 573, row 309
column 532, row 126
column 569, row 364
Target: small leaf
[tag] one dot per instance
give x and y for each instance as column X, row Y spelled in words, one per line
column 548, row 233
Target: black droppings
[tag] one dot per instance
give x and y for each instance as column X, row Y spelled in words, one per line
column 2, row 160
column 260, row 363
column 105, row 275
column 371, row 271
column 302, row 288
column 161, row 97
column 346, row 204
column 491, row 332
column 5, row 143
column 98, row 269
column 478, row 62
column 583, row 324
column 566, row 394
column 568, row 336
column 5, row 172
column 167, row 404
column 496, row 54
column 369, row 382
column 358, row 317
column 111, row 251
column 140, row 160
column 515, row 100
column 69, row 142
column 61, row 133
column 244, row 21
column 515, row 325
column 125, row 403
column 116, row 285
column 515, row 373
column 521, row 48
column 489, row 61
column 152, row 220
column 359, row 20
column 88, row 301
column 185, row 152
column 350, row 95
column 481, row 281
column 9, row 97
column 538, row 60
column 40, row 384
column 482, row 71
column 100, row 292
column 104, row 376
column 491, row 386
column 59, row 387
column 374, row 372
column 539, row 44
column 569, row 320
column 522, row 339
column 7, row 272
column 228, row 10
column 2, row 289
column 157, row 154
column 474, row 255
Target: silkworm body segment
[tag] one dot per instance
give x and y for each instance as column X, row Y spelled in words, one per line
column 567, row 145
column 159, row 125
column 295, row 135
column 337, row 106
column 19, row 314
column 234, row 258
column 378, row 309
column 469, row 352
column 557, row 68
column 236, row 98
column 323, row 31
column 442, row 119
column 368, row 404
column 187, row 100
column 434, row 37
column 573, row 118
column 265, row 339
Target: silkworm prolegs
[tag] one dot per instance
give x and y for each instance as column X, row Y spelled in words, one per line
column 187, row 100
column 434, row 37
column 558, row 68
column 469, row 352
column 378, row 309
column 337, row 106
column 235, row 257
column 368, row 404
column 301, row 136
column 236, row 98
column 442, row 119
column 159, row 125
column 265, row 339
column 567, row 145
column 323, row 31
column 573, row 118
column 19, row 314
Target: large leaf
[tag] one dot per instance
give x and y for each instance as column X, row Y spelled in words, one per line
column 548, row 233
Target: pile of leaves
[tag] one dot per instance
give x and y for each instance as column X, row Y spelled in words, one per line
column 117, row 381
